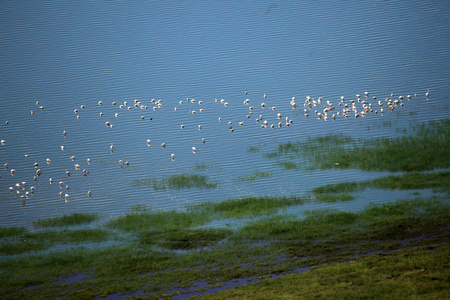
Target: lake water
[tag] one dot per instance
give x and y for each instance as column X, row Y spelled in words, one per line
column 66, row 54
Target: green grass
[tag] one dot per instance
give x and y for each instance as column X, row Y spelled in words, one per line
column 426, row 148
column 249, row 206
column 186, row 238
column 417, row 274
column 67, row 220
column 177, row 182
column 41, row 240
column 11, row 231
column 405, row 218
column 267, row 245
column 340, row 245
column 144, row 220
column 437, row 181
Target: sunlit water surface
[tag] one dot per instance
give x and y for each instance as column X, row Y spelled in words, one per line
column 65, row 55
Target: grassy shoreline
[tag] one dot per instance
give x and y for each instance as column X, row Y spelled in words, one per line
column 166, row 253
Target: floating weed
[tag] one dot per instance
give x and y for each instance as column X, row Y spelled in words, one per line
column 255, row 175
column 177, row 182
column 67, row 220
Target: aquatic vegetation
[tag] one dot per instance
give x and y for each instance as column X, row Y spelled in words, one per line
column 255, row 175
column 253, row 149
column 186, row 238
column 424, row 149
column 335, row 192
column 407, row 274
column 177, row 182
column 439, row 181
column 288, row 165
column 143, row 220
column 67, row 220
column 11, row 231
column 389, row 219
column 249, row 206
column 200, row 167
column 267, row 245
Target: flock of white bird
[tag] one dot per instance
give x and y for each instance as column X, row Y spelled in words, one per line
column 320, row 108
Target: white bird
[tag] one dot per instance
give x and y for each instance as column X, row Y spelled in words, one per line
column 3, row 142
column 148, row 142
column 193, row 150
column 163, row 145
column 100, row 102
column 111, row 147
column 89, row 193
column 88, row 160
column 50, row 180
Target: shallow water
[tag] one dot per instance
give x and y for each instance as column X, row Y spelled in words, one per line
column 66, row 55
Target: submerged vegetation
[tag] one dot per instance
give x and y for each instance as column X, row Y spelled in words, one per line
column 381, row 250
column 67, row 220
column 424, row 149
column 255, row 175
column 177, row 182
